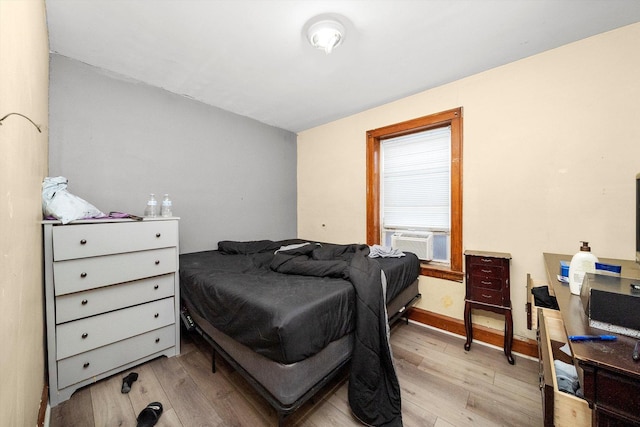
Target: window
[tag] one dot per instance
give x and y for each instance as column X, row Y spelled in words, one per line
column 415, row 188
column 414, row 182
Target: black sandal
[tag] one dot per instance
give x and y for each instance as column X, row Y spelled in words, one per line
column 149, row 416
column 127, row 381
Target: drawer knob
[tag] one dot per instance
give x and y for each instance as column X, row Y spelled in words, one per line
column 157, row 340
column 486, row 259
column 83, row 274
column 85, row 335
column 86, row 365
column 156, row 315
column 486, row 296
column 84, row 302
column 484, row 282
column 486, row 271
column 83, row 242
column 157, row 262
column 155, row 286
column 158, row 234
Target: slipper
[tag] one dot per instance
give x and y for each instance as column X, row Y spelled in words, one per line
column 149, row 416
column 127, row 381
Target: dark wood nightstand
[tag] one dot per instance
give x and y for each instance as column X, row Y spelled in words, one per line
column 487, row 288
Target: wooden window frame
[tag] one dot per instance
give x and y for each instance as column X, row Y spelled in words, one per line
column 451, row 118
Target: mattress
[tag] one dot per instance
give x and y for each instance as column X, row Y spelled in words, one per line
column 286, row 318
column 285, row 383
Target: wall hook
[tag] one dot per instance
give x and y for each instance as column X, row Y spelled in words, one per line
column 21, row 115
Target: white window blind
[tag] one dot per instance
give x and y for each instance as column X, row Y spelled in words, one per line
column 416, row 181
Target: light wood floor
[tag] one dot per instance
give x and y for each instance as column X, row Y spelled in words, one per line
column 442, row 385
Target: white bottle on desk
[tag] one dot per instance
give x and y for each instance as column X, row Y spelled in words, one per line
column 582, row 263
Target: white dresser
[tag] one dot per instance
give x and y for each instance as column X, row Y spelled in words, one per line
column 112, row 298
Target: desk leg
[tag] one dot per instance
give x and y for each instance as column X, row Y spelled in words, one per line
column 467, row 325
column 508, row 336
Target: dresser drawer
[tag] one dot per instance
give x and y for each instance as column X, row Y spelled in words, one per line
column 618, row 394
column 86, row 365
column 93, row 332
column 561, row 409
column 89, row 303
column 88, row 240
column 87, row 273
column 487, row 296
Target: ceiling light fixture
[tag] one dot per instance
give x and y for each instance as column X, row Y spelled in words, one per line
column 326, row 34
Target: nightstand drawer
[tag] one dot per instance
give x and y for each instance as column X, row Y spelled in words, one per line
column 486, row 261
column 88, row 240
column 483, row 282
column 87, row 273
column 86, row 365
column 93, row 332
column 487, row 296
column 480, row 270
column 95, row 301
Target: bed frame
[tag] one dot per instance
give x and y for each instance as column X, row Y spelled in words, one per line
column 287, row 386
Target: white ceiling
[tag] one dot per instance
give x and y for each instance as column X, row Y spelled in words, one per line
column 251, row 57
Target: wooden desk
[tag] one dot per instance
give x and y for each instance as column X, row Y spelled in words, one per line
column 610, row 378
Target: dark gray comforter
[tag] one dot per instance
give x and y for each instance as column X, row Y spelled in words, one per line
column 285, row 317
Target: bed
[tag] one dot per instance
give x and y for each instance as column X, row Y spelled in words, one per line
column 288, row 326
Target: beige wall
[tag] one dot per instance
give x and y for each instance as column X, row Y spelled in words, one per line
column 24, row 64
column 551, row 150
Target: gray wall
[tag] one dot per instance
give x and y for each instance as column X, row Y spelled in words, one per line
column 229, row 177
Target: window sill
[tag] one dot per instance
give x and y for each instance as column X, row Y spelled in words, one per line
column 440, row 272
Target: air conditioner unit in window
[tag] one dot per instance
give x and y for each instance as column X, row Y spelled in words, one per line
column 420, row 243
